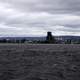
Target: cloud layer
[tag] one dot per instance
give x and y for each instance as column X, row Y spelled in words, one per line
column 36, row 17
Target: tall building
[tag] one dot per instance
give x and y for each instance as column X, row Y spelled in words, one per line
column 50, row 38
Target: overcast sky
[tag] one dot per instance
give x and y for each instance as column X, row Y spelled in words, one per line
column 36, row 17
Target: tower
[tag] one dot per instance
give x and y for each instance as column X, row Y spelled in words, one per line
column 50, row 38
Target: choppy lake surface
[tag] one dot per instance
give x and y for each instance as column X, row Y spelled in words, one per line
column 39, row 62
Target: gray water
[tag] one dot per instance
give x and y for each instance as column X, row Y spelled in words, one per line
column 39, row 62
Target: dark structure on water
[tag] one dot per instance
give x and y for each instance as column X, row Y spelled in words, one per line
column 50, row 38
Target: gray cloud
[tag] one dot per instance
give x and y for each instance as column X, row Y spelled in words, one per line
column 58, row 6
column 36, row 17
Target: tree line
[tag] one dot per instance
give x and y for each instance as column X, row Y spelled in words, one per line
column 12, row 41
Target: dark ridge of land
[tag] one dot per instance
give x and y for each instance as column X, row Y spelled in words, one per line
column 39, row 62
